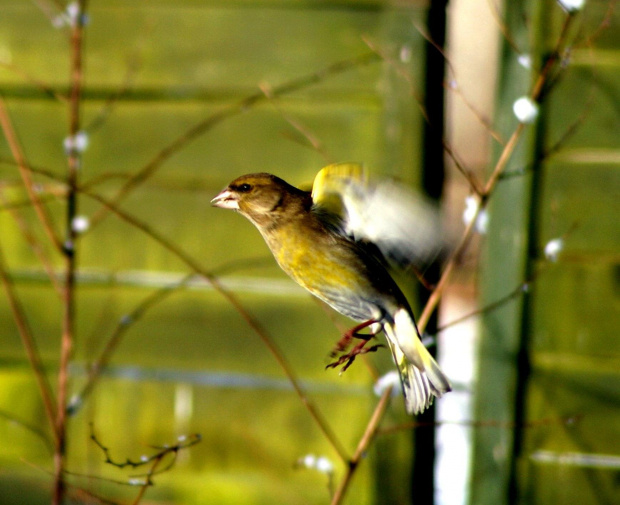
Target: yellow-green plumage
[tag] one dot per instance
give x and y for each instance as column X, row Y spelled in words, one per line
column 308, row 244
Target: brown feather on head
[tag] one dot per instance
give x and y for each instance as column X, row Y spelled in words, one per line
column 263, row 198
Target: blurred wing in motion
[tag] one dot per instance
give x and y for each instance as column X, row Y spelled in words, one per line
column 404, row 226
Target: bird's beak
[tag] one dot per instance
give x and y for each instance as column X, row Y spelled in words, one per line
column 226, row 200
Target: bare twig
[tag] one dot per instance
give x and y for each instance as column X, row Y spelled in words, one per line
column 184, row 442
column 312, row 140
column 124, row 324
column 417, row 97
column 29, row 345
column 48, row 90
column 488, row 188
column 603, row 25
column 20, row 204
column 474, row 184
column 494, row 9
column 135, row 61
column 433, row 300
column 522, row 288
column 469, row 175
column 30, row 427
column 455, row 88
column 211, row 121
column 369, row 435
column 153, row 461
column 129, row 319
column 570, row 129
column 20, row 160
column 68, row 316
column 34, row 244
column 155, row 464
column 557, row 145
column 515, row 293
column 142, row 481
column 78, row 493
column 83, row 496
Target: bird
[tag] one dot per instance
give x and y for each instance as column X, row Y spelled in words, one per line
column 336, row 241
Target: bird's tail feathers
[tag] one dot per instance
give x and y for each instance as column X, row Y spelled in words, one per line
column 421, row 377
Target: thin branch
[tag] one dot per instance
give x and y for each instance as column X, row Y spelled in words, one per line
column 454, row 87
column 557, row 145
column 79, row 493
column 154, row 461
column 474, row 184
column 501, row 163
column 570, row 129
column 32, row 428
column 505, row 155
column 211, row 121
column 134, row 64
column 103, row 178
column 486, row 193
column 433, row 300
column 48, row 90
column 84, row 496
column 20, row 160
column 131, row 318
column 604, row 24
column 47, row 396
column 126, row 322
column 118, row 482
column 494, row 9
column 148, row 481
column 543, row 77
column 183, row 442
column 35, row 170
column 68, row 316
column 20, row 204
column 312, row 140
column 469, row 175
column 369, row 435
column 417, row 97
column 34, row 244
column 515, row 293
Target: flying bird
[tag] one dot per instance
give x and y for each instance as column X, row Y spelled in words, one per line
column 336, row 242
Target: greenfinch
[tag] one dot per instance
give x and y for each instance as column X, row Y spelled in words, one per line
column 333, row 241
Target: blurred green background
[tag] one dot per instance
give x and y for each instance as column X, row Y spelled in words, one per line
column 191, row 364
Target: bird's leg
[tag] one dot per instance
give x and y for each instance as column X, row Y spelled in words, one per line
column 347, row 359
column 354, row 332
column 360, row 348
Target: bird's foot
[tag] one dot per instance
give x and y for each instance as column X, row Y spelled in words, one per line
column 354, row 332
column 347, row 359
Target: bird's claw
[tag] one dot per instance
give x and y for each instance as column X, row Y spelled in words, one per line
column 347, row 359
column 354, row 332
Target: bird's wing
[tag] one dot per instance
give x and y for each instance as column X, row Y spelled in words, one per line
column 404, row 226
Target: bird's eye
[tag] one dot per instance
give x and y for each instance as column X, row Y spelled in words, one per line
column 244, row 188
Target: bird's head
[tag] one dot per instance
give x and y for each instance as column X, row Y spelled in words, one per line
column 263, row 198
